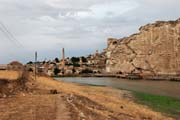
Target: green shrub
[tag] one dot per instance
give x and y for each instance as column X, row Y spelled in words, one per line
column 56, row 71
column 86, row 71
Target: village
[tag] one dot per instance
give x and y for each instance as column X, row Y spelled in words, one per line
column 64, row 66
column 89, row 60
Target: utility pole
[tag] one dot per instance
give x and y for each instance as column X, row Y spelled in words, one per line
column 35, row 74
column 63, row 60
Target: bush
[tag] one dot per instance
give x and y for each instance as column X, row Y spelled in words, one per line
column 56, row 71
column 84, row 60
column 69, row 64
column 56, row 60
column 76, row 65
column 30, row 70
column 87, row 71
column 30, row 62
column 75, row 59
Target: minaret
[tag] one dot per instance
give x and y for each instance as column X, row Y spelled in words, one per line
column 63, row 58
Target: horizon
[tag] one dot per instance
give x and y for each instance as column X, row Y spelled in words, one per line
column 80, row 27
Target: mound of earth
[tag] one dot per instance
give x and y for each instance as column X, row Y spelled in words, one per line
column 10, row 87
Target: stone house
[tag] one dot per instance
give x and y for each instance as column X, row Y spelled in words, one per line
column 97, row 61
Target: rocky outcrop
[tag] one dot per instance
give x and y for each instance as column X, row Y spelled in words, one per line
column 155, row 50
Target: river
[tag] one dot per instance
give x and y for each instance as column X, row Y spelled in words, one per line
column 165, row 88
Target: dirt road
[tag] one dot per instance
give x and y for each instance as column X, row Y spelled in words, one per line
column 34, row 107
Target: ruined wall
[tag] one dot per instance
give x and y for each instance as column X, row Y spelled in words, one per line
column 154, row 50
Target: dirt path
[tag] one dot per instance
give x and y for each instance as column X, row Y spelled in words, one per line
column 35, row 107
column 62, row 112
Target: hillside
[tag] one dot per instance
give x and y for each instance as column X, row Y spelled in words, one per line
column 155, row 50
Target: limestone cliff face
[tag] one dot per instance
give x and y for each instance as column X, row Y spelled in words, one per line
column 154, row 50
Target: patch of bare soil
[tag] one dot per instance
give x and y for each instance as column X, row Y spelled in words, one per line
column 83, row 108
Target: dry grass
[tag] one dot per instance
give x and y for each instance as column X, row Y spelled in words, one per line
column 21, row 100
column 95, row 103
column 114, row 102
column 9, row 75
column 31, row 107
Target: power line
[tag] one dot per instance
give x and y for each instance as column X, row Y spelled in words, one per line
column 12, row 40
column 9, row 35
column 2, row 30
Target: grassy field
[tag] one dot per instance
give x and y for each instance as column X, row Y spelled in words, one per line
column 164, row 104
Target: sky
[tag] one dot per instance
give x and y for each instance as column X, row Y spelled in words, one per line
column 80, row 26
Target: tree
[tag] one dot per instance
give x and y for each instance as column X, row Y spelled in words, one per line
column 86, row 71
column 56, row 60
column 44, row 62
column 30, row 62
column 76, row 65
column 75, row 59
column 56, row 71
column 84, row 60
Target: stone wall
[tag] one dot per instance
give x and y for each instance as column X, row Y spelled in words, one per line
column 154, row 50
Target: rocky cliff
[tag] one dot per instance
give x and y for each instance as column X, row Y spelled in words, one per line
column 154, row 50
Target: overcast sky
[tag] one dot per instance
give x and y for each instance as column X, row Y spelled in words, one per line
column 80, row 26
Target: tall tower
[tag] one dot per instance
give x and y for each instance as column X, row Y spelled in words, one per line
column 63, row 57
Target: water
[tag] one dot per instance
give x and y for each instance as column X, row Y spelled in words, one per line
column 166, row 88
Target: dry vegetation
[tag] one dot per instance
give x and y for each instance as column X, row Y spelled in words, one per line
column 10, row 75
column 73, row 102
column 101, row 103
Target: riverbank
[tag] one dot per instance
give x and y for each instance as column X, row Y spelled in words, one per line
column 46, row 98
column 169, row 106
column 114, row 103
column 164, row 88
column 164, row 104
column 174, row 78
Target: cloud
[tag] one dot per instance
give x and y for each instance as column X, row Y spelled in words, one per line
column 81, row 26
